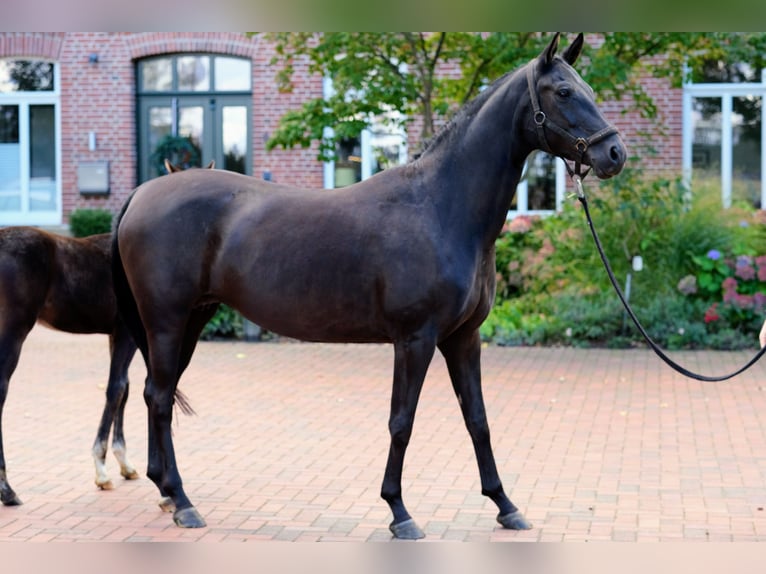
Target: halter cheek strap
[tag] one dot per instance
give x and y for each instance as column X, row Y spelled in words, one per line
column 579, row 144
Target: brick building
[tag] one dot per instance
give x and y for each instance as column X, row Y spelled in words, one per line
column 78, row 126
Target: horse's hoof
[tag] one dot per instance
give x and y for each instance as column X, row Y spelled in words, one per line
column 407, row 530
column 10, row 499
column 188, row 518
column 105, row 485
column 129, row 474
column 514, row 521
column 167, row 505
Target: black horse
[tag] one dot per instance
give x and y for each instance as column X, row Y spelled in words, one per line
column 406, row 257
column 64, row 283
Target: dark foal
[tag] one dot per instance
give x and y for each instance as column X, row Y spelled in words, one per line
column 64, row 283
column 406, row 257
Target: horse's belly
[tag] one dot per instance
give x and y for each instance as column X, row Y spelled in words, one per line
column 315, row 323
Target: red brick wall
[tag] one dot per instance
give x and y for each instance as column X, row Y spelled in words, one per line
column 100, row 97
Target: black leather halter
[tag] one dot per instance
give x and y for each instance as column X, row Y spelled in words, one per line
column 579, row 144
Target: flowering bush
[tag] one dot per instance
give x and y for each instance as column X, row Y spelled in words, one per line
column 735, row 285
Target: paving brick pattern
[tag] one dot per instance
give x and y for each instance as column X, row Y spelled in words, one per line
column 289, row 443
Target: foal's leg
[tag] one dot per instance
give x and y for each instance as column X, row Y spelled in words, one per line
column 11, row 339
column 411, row 360
column 122, row 349
column 462, row 352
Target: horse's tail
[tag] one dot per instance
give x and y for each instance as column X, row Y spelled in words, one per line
column 127, row 307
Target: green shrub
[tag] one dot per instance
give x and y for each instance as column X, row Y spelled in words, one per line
column 553, row 289
column 225, row 324
column 84, row 222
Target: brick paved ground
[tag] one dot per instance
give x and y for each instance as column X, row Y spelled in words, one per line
column 290, row 441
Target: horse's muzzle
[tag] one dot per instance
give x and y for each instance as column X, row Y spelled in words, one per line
column 607, row 157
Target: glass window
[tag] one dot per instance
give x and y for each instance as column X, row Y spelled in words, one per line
column 9, row 124
column 10, row 159
column 348, row 162
column 26, row 76
column 193, row 73
column 232, row 74
column 541, row 182
column 42, row 158
column 30, row 192
column 157, row 75
column 234, row 137
column 706, row 141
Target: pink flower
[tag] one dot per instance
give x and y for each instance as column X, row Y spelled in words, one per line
column 712, row 313
column 729, row 284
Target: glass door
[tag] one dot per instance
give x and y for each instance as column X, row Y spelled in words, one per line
column 194, row 108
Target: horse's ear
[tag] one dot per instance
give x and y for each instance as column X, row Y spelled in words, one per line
column 574, row 50
column 170, row 167
column 550, row 51
column 211, row 165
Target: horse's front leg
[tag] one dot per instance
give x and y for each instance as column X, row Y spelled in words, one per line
column 122, row 350
column 462, row 352
column 411, row 360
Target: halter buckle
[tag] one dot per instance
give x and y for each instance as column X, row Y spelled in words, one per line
column 581, row 145
column 539, row 117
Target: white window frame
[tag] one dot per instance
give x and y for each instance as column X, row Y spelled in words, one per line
column 23, row 100
column 726, row 92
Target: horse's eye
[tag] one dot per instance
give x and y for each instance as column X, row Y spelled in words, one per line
column 564, row 92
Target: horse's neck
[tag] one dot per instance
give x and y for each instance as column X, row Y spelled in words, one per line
column 479, row 172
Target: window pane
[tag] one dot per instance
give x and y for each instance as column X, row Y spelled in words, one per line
column 191, row 125
column 9, row 124
column 706, row 142
column 10, row 183
column 232, row 74
column 746, row 150
column 160, row 125
column 348, row 162
column 541, row 182
column 25, row 76
column 42, row 158
column 387, row 149
column 193, row 73
column 157, row 75
column 234, row 138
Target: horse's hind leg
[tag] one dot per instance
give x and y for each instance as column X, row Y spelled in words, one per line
column 11, row 340
column 462, row 352
column 162, row 468
column 122, row 350
column 411, row 362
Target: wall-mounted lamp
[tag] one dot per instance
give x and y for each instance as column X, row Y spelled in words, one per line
column 92, row 141
column 93, row 58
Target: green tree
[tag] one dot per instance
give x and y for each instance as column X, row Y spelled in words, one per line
column 376, row 73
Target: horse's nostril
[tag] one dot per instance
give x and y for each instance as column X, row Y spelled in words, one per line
column 615, row 154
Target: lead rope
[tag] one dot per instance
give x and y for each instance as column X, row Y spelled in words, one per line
column 660, row 353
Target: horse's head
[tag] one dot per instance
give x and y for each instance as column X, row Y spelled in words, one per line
column 565, row 116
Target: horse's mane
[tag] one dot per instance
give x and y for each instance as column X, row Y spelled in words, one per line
column 466, row 111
